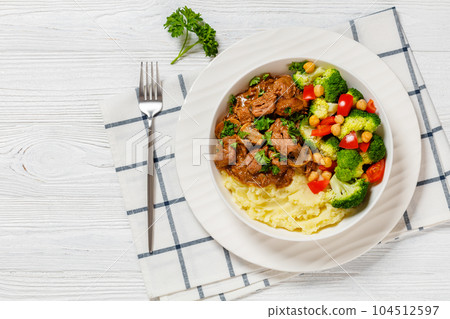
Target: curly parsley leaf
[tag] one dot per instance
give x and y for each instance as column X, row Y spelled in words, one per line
column 287, row 110
column 207, row 37
column 295, row 117
column 254, row 81
column 297, row 66
column 261, row 158
column 231, row 103
column 292, row 129
column 185, row 21
column 228, row 129
column 232, row 100
column 275, row 169
column 268, row 137
column 263, row 123
column 275, row 154
column 242, row 134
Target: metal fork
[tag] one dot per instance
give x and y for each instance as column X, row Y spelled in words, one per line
column 150, row 103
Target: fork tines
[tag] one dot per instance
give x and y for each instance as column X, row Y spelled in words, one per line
column 149, row 91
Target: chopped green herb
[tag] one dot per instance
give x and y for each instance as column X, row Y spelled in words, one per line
column 296, row 117
column 287, row 110
column 261, row 158
column 233, row 145
column 268, row 137
column 265, row 76
column 228, row 129
column 263, row 123
column 242, row 134
column 275, row 155
column 297, row 66
column 232, row 100
column 264, row 169
column 247, row 97
column 275, row 169
column 230, row 109
column 292, row 129
column 254, row 81
column 261, row 92
column 221, row 142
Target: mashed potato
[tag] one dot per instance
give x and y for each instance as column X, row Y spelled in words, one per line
column 294, row 207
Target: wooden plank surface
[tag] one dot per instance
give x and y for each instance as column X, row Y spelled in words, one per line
column 62, row 222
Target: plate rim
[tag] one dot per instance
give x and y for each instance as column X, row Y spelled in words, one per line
column 220, row 59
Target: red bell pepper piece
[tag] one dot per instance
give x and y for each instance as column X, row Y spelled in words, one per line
column 328, row 121
column 371, row 107
column 321, row 130
column 364, row 146
column 350, row 141
column 318, row 186
column 345, row 104
column 308, row 92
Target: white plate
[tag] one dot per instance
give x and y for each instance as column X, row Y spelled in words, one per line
column 206, row 95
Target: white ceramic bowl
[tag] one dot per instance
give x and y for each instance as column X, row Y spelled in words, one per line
column 278, row 67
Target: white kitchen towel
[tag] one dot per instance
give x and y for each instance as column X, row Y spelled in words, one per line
column 187, row 263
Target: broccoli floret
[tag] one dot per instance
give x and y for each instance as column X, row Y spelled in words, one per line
column 329, row 147
column 301, row 78
column 359, row 120
column 345, row 195
column 365, row 158
column 356, row 95
column 322, row 108
column 349, row 165
column 333, row 83
column 305, row 132
column 377, row 149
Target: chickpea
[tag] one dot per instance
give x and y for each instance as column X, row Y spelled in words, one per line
column 314, row 120
column 366, row 136
column 327, row 162
column 309, row 67
column 326, row 175
column 313, row 176
column 336, row 129
column 361, row 105
column 317, row 158
column 318, row 90
column 339, row 119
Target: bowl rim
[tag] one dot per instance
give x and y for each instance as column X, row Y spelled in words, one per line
column 281, row 233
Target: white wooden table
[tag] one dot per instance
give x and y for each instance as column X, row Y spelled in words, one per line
column 62, row 221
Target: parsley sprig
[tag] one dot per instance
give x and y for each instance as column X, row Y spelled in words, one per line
column 228, row 129
column 293, row 131
column 186, row 21
column 261, row 158
column 263, row 123
column 297, row 66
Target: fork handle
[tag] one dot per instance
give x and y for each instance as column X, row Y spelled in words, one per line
column 150, row 188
